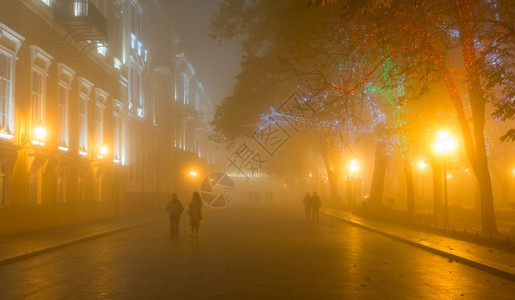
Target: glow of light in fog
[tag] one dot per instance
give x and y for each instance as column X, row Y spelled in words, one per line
column 445, row 143
column 102, row 151
column 193, row 173
column 39, row 135
column 353, row 166
column 422, row 164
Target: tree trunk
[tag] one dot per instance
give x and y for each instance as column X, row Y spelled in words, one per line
column 477, row 102
column 333, row 171
column 377, row 184
column 400, row 112
column 475, row 149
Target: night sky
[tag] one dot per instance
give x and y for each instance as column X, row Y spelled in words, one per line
column 215, row 66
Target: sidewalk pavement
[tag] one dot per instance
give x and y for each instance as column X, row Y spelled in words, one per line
column 21, row 246
column 495, row 261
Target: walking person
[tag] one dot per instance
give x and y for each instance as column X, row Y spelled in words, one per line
column 307, row 206
column 195, row 212
column 174, row 209
column 315, row 205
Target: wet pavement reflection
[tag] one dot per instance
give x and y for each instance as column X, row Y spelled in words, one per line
column 248, row 251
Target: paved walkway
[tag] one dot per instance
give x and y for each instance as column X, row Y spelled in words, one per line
column 495, row 261
column 24, row 245
column 20, row 246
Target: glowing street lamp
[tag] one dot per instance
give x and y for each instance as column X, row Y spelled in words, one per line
column 353, row 166
column 102, row 151
column 445, row 144
column 39, row 135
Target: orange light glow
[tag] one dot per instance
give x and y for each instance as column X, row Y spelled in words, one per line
column 445, row 143
column 39, row 135
column 353, row 166
column 103, row 149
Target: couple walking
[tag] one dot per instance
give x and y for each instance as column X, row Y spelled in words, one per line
column 311, row 204
column 175, row 209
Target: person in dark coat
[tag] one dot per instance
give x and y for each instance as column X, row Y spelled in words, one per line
column 315, row 205
column 195, row 212
column 174, row 209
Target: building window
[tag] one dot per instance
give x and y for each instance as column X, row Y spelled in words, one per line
column 84, row 91
column 6, row 90
column 65, row 76
column 47, row 2
column 40, row 63
column 80, row 8
column 140, row 48
column 185, row 89
column 10, row 43
column 136, row 92
column 117, row 63
column 100, row 97
column 83, row 123
column 63, row 94
column 101, row 49
column 37, row 97
column 118, row 130
column 134, row 41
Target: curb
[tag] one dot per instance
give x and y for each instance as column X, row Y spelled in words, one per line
column 73, row 241
column 481, row 264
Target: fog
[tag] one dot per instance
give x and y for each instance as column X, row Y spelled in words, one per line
column 262, row 149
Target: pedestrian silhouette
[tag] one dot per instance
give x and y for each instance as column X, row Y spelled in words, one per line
column 195, row 212
column 174, row 209
column 307, row 206
column 315, row 205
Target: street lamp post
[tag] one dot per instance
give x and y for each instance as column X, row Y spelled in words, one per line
column 445, row 144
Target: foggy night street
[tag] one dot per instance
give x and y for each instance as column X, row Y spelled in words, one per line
column 247, row 251
column 257, row 149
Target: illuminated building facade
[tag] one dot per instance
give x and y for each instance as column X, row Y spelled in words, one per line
column 99, row 111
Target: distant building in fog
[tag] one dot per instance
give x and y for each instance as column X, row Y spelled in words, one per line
column 100, row 111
